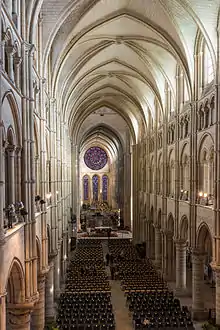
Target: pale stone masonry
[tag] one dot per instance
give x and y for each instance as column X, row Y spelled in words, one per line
column 140, row 79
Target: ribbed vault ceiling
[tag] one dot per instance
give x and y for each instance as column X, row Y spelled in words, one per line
column 121, row 54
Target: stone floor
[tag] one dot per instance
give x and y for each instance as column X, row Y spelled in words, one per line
column 208, row 295
column 122, row 319
column 121, row 312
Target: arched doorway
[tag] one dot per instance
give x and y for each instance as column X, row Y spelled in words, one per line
column 16, row 297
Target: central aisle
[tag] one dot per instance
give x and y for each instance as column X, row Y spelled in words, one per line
column 121, row 312
column 122, row 319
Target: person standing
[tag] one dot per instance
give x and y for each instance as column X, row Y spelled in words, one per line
column 112, row 268
column 107, row 257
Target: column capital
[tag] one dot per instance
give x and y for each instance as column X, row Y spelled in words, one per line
column 215, row 268
column 52, row 255
column 11, row 148
column 17, row 60
column 198, row 256
column 18, row 149
column 10, row 50
column 157, row 226
column 29, row 48
column 168, row 233
column 179, row 241
column 21, row 308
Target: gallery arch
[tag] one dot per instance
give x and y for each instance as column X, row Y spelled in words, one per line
column 16, row 297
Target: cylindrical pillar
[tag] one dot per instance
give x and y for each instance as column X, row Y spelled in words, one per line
column 198, row 260
column 17, row 63
column 162, row 252
column 49, row 294
column 3, row 311
column 9, row 6
column 180, row 267
column 152, row 242
column 169, row 256
column 11, row 173
column 38, row 315
column 57, row 275
column 10, row 53
column 158, row 255
column 217, row 295
column 18, row 318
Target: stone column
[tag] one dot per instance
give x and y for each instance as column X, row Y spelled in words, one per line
column 74, row 161
column 152, row 242
column 18, row 174
column 19, row 317
column 38, row 316
column 57, row 275
column 2, row 182
column 198, row 260
column 217, row 295
column 9, row 6
column 180, row 267
column 147, row 238
column 169, row 256
column 11, row 173
column 17, row 63
column 135, row 190
column 216, row 269
column 64, row 256
column 49, row 294
column 3, row 311
column 10, row 52
column 158, row 251
column 162, row 252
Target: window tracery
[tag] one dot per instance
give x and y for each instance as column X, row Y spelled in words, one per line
column 95, row 186
column 105, row 188
column 95, row 158
column 85, row 187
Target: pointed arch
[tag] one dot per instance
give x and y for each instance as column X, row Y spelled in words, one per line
column 16, row 283
column 85, row 187
column 204, row 238
column 15, row 114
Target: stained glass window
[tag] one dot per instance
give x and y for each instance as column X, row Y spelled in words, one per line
column 85, row 187
column 105, row 188
column 95, row 186
column 95, row 158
